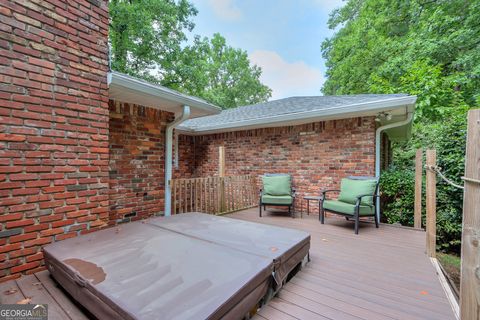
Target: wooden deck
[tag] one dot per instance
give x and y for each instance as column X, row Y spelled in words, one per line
column 40, row 288
column 379, row 274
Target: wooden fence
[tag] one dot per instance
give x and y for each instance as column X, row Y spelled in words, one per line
column 214, row 195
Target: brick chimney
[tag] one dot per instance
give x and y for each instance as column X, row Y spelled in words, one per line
column 53, row 126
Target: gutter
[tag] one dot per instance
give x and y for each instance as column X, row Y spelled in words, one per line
column 378, row 133
column 168, row 157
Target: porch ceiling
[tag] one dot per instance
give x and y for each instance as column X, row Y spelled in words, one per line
column 125, row 88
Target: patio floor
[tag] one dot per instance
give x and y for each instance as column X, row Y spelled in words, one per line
column 379, row 274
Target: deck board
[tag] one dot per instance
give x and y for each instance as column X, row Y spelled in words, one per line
column 40, row 288
column 71, row 309
column 379, row 274
column 10, row 293
column 33, row 289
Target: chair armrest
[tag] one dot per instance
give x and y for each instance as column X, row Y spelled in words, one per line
column 329, row 190
column 359, row 198
column 324, row 192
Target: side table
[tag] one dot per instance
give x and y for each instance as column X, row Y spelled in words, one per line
column 308, row 199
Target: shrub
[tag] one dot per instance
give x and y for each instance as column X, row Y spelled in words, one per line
column 448, row 137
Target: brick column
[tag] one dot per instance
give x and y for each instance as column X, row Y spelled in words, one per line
column 53, row 126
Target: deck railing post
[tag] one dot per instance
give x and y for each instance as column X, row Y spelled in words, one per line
column 431, row 191
column 470, row 274
column 221, row 161
column 221, row 184
column 417, row 216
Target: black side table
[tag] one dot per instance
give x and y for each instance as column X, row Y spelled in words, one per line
column 311, row 198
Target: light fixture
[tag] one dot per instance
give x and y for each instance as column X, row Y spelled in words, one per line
column 383, row 116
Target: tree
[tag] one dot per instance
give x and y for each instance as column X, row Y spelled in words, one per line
column 426, row 48
column 146, row 35
column 148, row 41
column 395, row 44
column 211, row 69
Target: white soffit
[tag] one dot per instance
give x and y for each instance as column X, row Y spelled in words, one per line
column 125, row 88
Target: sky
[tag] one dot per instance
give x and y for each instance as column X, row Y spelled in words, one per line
column 283, row 37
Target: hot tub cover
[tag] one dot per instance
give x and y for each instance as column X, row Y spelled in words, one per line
column 285, row 247
column 141, row 271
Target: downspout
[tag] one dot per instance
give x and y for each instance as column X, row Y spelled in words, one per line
column 168, row 157
column 377, row 149
column 175, row 147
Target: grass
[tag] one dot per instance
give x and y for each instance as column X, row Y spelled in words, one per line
column 451, row 264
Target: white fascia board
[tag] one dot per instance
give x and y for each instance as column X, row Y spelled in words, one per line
column 141, row 86
column 340, row 112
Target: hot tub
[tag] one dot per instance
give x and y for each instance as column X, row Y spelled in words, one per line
column 286, row 248
column 142, row 271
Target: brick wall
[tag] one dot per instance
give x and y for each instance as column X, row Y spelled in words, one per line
column 186, row 157
column 53, row 126
column 137, row 161
column 318, row 155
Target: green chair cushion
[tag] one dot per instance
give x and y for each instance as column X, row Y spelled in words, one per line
column 277, row 185
column 350, row 189
column 347, row 208
column 280, row 200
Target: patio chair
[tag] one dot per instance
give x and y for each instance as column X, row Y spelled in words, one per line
column 356, row 199
column 277, row 191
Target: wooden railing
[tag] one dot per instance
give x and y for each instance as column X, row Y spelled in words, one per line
column 469, row 308
column 214, row 195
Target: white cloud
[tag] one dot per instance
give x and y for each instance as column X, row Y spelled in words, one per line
column 225, row 9
column 287, row 79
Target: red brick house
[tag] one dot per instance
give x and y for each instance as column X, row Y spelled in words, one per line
column 82, row 148
column 318, row 140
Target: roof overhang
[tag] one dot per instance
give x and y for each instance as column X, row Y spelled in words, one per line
column 125, row 88
column 398, row 107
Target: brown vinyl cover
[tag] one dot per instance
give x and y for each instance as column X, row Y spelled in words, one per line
column 140, row 271
column 285, row 247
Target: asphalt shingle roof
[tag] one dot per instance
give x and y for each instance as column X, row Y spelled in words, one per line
column 284, row 107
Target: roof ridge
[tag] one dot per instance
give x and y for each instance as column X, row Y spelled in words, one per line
column 318, row 96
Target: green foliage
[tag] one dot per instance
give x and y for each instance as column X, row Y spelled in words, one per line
column 211, row 69
column 448, row 259
column 437, row 96
column 389, row 39
column 146, row 35
column 425, row 48
column 398, row 195
column 448, row 138
column 148, row 41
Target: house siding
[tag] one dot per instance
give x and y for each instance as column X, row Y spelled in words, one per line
column 53, row 126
